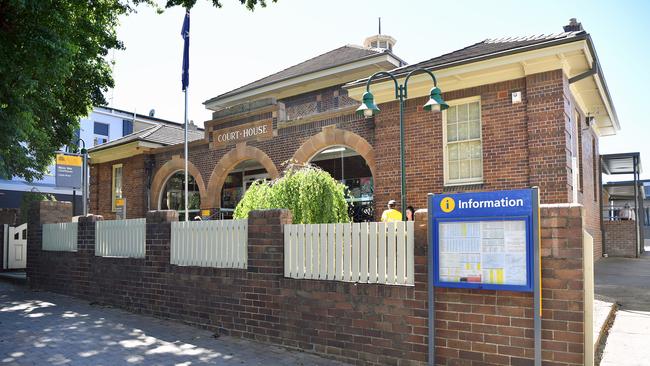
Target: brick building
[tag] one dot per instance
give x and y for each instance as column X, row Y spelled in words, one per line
column 523, row 112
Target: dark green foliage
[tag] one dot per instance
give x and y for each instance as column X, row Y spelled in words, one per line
column 312, row 195
column 53, row 69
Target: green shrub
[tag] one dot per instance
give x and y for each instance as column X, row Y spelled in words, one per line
column 312, row 195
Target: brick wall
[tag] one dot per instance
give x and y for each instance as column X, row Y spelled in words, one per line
column 620, row 238
column 134, row 187
column 365, row 324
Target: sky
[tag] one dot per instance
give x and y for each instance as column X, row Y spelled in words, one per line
column 232, row 46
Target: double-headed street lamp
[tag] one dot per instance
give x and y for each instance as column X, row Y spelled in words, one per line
column 368, row 108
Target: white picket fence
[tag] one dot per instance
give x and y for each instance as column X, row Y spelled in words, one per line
column 218, row 243
column 60, row 237
column 371, row 252
column 120, row 238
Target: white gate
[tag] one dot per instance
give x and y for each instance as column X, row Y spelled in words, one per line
column 15, row 247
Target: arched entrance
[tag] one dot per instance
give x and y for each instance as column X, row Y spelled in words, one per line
column 234, row 173
column 350, row 159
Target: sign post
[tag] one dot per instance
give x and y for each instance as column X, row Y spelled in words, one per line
column 68, row 172
column 488, row 241
column 120, row 208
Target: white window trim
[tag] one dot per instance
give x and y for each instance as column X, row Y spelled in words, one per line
column 461, row 182
column 114, row 167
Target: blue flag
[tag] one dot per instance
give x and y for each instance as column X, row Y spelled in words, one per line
column 185, row 33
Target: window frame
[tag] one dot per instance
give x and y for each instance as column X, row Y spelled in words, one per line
column 113, row 169
column 464, row 181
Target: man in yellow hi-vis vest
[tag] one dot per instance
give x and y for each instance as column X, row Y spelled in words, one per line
column 391, row 214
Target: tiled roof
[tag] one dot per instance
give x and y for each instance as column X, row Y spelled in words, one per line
column 340, row 56
column 490, row 48
column 160, row 134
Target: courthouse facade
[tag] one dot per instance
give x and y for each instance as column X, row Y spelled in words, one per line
column 523, row 112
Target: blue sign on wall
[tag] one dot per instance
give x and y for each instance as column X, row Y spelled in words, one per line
column 484, row 240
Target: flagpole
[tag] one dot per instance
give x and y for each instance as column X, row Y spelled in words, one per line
column 185, row 32
column 187, row 208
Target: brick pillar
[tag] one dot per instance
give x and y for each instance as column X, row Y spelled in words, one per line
column 85, row 286
column 157, row 259
column 265, row 271
column 42, row 212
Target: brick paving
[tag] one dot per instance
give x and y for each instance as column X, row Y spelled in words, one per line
column 43, row 328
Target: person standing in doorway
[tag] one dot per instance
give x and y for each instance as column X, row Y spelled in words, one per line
column 410, row 213
column 391, row 214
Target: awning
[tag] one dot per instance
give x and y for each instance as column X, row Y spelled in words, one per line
column 625, row 163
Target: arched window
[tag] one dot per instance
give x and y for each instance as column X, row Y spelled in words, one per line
column 173, row 197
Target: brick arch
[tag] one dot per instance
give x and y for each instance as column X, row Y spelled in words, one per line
column 332, row 136
column 228, row 162
column 167, row 170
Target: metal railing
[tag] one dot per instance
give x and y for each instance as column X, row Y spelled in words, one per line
column 60, row 237
column 120, row 238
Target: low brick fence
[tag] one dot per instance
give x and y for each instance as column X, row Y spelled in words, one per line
column 620, row 238
column 368, row 324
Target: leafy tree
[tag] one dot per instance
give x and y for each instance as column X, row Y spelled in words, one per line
column 53, row 69
column 312, row 195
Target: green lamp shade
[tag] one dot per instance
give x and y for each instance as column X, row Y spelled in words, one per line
column 435, row 103
column 368, row 108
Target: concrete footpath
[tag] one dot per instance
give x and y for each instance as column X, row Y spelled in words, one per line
column 628, row 281
column 42, row 328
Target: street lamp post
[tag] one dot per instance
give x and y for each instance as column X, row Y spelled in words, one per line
column 368, row 108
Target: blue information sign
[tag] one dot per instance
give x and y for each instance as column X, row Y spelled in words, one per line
column 484, row 240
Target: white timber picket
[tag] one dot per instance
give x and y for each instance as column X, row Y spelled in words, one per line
column 363, row 252
column 347, row 252
column 354, row 254
column 301, row 251
column 390, row 250
column 314, row 250
column 372, row 253
column 381, row 252
column 322, row 258
column 331, row 252
column 400, row 273
column 308, row 248
column 60, row 237
column 338, row 244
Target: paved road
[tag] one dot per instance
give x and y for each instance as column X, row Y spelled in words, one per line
column 627, row 281
column 42, row 328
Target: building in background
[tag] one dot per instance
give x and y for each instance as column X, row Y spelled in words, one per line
column 103, row 124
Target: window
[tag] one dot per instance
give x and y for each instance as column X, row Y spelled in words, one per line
column 100, row 131
column 595, row 168
column 117, row 184
column 127, row 127
column 578, row 125
column 463, row 150
column 173, row 195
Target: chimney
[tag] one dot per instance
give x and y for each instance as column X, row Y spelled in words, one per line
column 573, row 26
